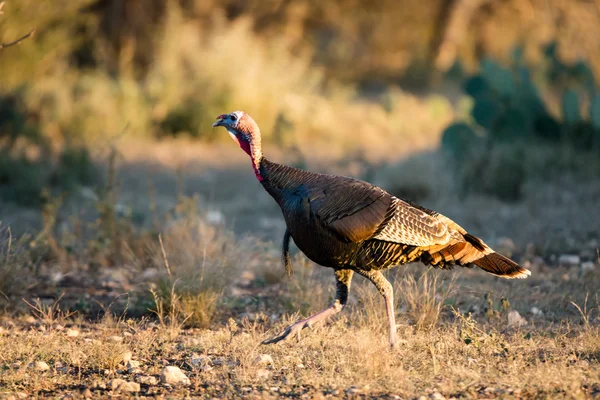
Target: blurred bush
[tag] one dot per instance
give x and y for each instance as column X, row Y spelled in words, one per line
column 509, row 118
column 318, row 70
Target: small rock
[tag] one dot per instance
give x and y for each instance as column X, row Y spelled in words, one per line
column 115, row 338
column 147, row 380
column 120, row 385
column 436, row 396
column 215, row 217
column 58, row 327
column 246, row 278
column 174, row 376
column 40, row 366
column 300, row 366
column 60, row 367
column 201, row 362
column 537, row 312
column 587, row 266
column 353, row 390
column 133, row 366
column 515, row 319
column 263, row 374
column 127, row 356
column 71, row 332
column 150, row 274
column 263, row 359
column 99, row 385
column 114, row 384
column 569, row 259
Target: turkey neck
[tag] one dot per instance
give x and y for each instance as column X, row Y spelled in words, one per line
column 280, row 180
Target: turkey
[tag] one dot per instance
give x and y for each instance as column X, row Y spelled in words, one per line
column 353, row 227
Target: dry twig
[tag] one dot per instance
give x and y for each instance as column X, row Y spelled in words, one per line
column 19, row 40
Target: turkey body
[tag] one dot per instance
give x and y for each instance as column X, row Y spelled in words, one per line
column 342, row 222
column 312, row 203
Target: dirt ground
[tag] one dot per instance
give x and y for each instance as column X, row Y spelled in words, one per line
column 463, row 335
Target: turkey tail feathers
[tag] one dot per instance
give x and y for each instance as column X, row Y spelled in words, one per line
column 499, row 265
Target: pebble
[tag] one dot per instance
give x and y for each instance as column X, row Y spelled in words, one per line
column 115, row 338
column 353, row 390
column 437, row 396
column 569, row 259
column 147, row 380
column 587, row 266
column 202, row 362
column 72, row 332
column 40, row 366
column 263, row 359
column 60, row 367
column 515, row 319
column 120, row 385
column 263, row 374
column 174, row 376
column 215, row 217
column 127, row 356
column 133, row 366
column 537, row 312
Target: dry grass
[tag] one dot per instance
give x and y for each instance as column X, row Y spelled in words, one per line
column 202, row 276
column 342, row 359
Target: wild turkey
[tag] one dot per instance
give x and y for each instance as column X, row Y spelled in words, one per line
column 352, row 227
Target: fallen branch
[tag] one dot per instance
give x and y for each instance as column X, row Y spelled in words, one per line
column 3, row 45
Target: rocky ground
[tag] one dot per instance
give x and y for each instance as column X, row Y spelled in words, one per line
column 90, row 315
column 494, row 339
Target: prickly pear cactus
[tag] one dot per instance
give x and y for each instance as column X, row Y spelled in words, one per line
column 486, row 110
column 595, row 111
column 458, row 140
column 500, row 79
column 570, row 107
column 513, row 124
column 477, row 87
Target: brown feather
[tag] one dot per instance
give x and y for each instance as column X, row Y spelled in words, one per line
column 497, row 264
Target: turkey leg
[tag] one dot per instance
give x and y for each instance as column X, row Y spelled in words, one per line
column 343, row 279
column 387, row 291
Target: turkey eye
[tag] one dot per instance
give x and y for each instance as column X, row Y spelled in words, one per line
column 233, row 117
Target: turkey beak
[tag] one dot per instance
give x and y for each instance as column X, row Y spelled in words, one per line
column 219, row 121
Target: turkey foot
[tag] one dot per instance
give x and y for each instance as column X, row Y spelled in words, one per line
column 343, row 277
column 294, row 330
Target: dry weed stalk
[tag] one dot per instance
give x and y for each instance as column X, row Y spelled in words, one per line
column 19, row 40
column 586, row 314
column 425, row 298
column 49, row 314
column 170, row 317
